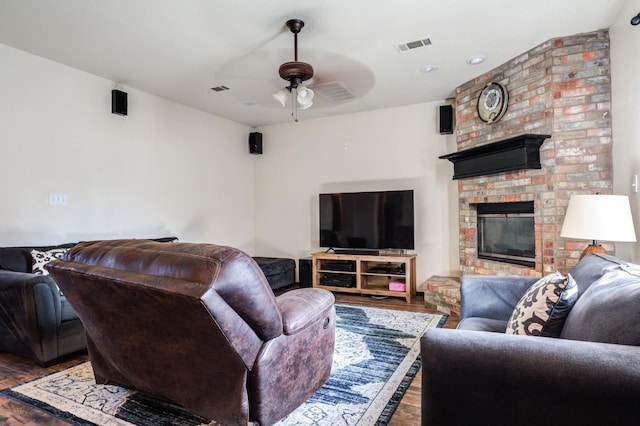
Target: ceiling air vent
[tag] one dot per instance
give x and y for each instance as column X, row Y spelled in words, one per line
column 219, row 88
column 403, row 47
column 334, row 91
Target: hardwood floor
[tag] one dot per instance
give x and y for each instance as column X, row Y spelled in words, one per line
column 15, row 370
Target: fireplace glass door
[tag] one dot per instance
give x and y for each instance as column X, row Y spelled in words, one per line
column 506, row 232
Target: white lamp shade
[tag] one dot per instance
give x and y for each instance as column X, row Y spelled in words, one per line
column 599, row 217
column 305, row 97
column 282, row 96
column 304, row 105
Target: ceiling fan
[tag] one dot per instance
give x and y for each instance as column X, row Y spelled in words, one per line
column 295, row 73
column 252, row 78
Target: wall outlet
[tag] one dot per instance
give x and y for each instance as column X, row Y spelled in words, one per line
column 58, row 199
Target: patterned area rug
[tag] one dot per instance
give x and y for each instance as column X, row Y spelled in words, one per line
column 375, row 360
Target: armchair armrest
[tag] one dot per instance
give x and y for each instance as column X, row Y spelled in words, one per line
column 300, row 308
column 293, row 365
column 480, row 378
column 492, row 297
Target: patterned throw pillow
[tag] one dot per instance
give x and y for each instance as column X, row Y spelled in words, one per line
column 41, row 258
column 543, row 308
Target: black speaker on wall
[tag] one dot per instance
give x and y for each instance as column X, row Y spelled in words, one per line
column 119, row 102
column 255, row 143
column 446, row 119
column 304, row 272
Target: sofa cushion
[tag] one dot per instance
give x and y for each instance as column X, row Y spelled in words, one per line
column 608, row 311
column 543, row 308
column 15, row 259
column 482, row 324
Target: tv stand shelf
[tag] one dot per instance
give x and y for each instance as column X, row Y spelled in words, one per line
column 365, row 274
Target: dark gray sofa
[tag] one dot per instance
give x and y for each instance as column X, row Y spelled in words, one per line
column 36, row 321
column 279, row 272
column 478, row 375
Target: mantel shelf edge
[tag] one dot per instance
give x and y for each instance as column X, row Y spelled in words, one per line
column 515, row 153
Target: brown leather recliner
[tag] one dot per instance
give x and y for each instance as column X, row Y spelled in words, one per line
column 198, row 325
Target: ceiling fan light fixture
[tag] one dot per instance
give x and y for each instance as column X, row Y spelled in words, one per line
column 282, row 96
column 302, row 106
column 304, row 93
column 296, row 72
column 304, row 97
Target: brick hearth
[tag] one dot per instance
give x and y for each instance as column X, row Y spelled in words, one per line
column 443, row 294
column 561, row 88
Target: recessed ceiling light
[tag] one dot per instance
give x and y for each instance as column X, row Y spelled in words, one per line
column 428, row 68
column 475, row 60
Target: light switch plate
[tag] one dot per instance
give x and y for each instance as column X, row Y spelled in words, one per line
column 58, row 199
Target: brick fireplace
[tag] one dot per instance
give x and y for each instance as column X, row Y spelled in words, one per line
column 559, row 88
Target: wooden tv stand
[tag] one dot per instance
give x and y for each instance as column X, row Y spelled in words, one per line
column 365, row 274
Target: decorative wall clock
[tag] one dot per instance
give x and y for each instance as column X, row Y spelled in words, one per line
column 492, row 102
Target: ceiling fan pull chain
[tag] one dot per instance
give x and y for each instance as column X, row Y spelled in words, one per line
column 294, row 104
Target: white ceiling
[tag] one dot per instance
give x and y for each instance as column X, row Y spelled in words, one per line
column 179, row 49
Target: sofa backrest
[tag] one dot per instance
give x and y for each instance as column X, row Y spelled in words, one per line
column 590, row 268
column 15, row 259
column 608, row 308
column 19, row 259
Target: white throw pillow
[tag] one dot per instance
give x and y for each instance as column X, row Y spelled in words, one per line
column 544, row 307
column 41, row 258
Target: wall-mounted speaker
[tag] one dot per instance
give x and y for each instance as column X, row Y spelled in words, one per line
column 446, row 119
column 255, row 143
column 119, row 102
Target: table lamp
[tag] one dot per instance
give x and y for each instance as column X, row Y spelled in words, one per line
column 598, row 217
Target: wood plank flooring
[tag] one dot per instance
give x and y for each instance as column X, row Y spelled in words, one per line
column 15, row 370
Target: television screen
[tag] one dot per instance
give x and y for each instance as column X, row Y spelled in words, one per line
column 367, row 220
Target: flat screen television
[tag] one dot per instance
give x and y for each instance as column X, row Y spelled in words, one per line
column 367, row 220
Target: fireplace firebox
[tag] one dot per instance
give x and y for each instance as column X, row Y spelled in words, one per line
column 506, row 232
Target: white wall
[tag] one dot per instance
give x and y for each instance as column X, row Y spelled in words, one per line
column 625, row 88
column 165, row 169
column 394, row 148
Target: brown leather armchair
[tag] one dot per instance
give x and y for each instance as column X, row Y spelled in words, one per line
column 198, row 325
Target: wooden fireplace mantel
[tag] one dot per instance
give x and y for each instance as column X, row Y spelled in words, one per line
column 516, row 153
